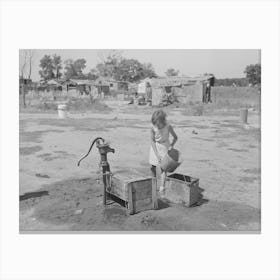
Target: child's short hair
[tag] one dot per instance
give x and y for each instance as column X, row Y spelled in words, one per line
column 159, row 116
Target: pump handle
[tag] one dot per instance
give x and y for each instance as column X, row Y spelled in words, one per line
column 97, row 138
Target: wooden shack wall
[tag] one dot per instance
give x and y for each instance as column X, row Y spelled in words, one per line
column 157, row 95
column 189, row 93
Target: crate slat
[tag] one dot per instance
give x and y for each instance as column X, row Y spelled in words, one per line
column 182, row 189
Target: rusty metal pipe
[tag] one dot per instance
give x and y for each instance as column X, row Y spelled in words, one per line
column 103, row 150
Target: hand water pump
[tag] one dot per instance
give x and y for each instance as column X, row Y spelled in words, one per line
column 104, row 149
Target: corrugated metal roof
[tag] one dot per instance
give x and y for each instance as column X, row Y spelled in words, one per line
column 176, row 81
column 82, row 82
column 53, row 82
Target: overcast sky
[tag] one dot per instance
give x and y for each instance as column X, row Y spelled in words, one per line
column 222, row 63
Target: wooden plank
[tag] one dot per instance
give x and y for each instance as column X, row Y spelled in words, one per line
column 179, row 191
column 154, row 193
column 194, row 193
column 144, row 204
column 130, row 201
column 118, row 188
column 129, row 175
column 143, row 189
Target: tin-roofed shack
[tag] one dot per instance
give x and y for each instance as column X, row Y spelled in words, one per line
column 182, row 89
column 107, row 85
column 81, row 86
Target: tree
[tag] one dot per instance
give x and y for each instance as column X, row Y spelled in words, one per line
column 47, row 72
column 109, row 64
column 26, row 63
column 56, row 59
column 253, row 73
column 171, row 72
column 92, row 75
column 74, row 69
column 79, row 66
column 50, row 67
column 22, row 63
column 124, row 69
column 30, row 54
column 149, row 71
column 129, row 70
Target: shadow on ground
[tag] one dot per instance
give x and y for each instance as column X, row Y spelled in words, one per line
column 76, row 204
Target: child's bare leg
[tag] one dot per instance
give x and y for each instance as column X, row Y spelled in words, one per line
column 158, row 177
column 163, row 177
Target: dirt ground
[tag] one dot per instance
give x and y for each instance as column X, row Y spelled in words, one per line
column 57, row 195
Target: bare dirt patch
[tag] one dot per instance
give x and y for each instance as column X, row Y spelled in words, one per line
column 35, row 136
column 253, row 171
column 95, row 125
column 247, row 179
column 238, row 150
column 205, row 155
column 25, row 151
column 76, row 204
column 54, row 155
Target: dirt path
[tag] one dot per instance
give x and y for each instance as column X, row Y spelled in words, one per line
column 218, row 150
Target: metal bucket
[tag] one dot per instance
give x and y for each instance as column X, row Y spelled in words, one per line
column 62, row 111
column 171, row 161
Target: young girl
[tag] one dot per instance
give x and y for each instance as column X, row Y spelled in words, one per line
column 160, row 144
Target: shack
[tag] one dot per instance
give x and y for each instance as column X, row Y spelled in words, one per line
column 182, row 89
column 81, row 86
column 54, row 84
column 107, row 85
column 103, row 85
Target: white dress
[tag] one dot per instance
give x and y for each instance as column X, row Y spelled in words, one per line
column 162, row 144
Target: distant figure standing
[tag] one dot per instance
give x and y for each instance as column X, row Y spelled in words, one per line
column 148, row 92
column 93, row 94
column 208, row 93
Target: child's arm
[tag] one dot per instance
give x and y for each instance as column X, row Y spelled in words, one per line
column 173, row 133
column 154, row 144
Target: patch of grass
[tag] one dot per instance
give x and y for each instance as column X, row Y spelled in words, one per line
column 85, row 104
column 74, row 104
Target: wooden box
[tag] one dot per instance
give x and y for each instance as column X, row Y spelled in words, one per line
column 182, row 189
column 138, row 192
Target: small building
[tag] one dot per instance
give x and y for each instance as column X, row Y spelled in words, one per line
column 107, row 85
column 104, row 85
column 184, row 89
column 23, row 81
column 81, row 86
column 53, row 82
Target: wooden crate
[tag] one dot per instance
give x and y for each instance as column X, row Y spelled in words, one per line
column 137, row 191
column 184, row 189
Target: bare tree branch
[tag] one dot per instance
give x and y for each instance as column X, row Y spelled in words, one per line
column 30, row 55
column 22, row 65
